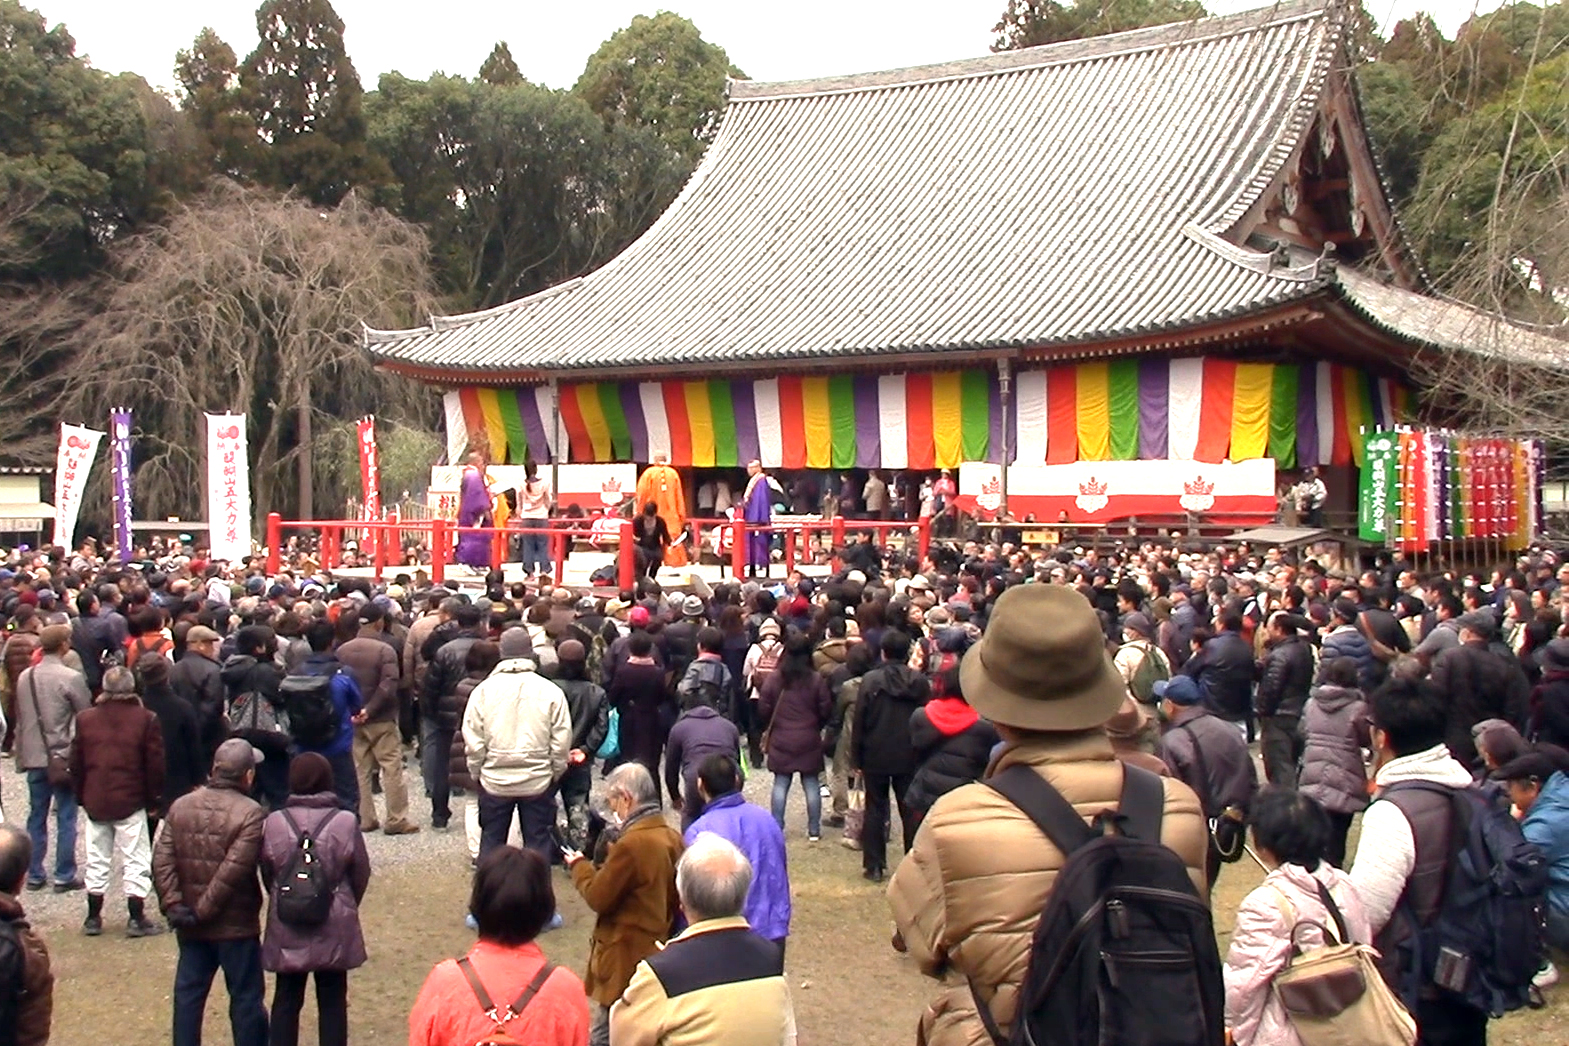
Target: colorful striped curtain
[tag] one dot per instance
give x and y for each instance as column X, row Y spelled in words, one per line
column 1124, row 409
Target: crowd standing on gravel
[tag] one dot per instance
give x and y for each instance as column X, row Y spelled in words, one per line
column 1037, row 716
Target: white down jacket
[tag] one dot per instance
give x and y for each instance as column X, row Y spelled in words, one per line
column 517, row 731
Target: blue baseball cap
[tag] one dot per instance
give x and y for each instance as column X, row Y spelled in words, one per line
column 1179, row 690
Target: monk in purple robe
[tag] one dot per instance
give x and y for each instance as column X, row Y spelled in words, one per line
column 758, row 506
column 474, row 507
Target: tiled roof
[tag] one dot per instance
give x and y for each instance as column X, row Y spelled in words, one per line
column 1030, row 198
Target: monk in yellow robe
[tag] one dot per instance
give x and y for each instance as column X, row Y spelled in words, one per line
column 661, row 484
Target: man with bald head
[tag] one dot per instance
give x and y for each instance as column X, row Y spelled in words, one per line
column 718, row 980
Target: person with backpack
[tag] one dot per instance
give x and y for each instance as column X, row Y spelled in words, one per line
column 1538, row 783
column 1303, row 903
column 26, row 975
column 504, row 991
column 1282, row 693
column 1211, row 757
column 702, row 730
column 762, row 660
column 1454, row 946
column 316, row 870
column 324, row 706
column 255, row 713
column 795, row 706
column 1139, row 661
column 1003, row 869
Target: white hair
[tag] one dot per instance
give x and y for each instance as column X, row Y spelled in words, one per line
column 635, row 782
column 713, row 878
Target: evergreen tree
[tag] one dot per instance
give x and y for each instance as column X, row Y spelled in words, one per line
column 500, row 68
column 209, row 75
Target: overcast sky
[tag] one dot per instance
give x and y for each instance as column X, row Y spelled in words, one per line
column 552, row 39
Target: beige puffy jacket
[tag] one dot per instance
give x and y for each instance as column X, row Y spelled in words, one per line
column 517, row 731
column 969, row 894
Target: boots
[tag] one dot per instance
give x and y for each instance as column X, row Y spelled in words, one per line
column 93, row 925
column 139, row 925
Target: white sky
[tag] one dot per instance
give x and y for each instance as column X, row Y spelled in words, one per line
column 552, row 40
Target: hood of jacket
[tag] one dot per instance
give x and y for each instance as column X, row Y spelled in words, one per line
column 1433, row 764
column 835, row 650
column 951, row 715
column 513, row 665
column 236, row 668
column 1334, row 698
column 701, row 712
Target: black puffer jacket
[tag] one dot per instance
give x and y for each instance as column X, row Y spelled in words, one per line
column 1288, row 675
column 1224, row 673
column 880, row 737
column 1479, row 684
column 590, row 712
column 445, row 671
column 954, row 745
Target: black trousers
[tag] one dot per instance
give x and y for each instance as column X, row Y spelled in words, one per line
column 1340, row 827
column 1281, row 747
column 1444, row 1022
column 332, row 1008
column 874, row 833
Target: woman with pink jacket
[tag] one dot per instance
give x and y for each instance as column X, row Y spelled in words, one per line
column 1291, row 834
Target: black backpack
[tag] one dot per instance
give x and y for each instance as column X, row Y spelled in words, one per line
column 1125, row 950
column 1487, row 940
column 304, row 891
column 313, row 715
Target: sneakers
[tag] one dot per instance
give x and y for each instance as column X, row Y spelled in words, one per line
column 813, row 838
column 37, row 884
column 439, row 826
column 555, row 923
column 471, row 922
column 92, row 926
column 143, row 927
column 70, row 887
column 401, row 828
column 1546, row 977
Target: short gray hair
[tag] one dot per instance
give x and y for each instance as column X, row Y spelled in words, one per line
column 635, row 782
column 713, row 878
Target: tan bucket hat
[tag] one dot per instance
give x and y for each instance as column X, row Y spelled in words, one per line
column 1042, row 664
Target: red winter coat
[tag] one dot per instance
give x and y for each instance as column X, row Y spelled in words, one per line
column 117, row 763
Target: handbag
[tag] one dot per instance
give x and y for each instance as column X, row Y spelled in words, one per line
column 610, row 747
column 1228, row 829
column 1334, row 995
column 58, row 768
column 855, row 812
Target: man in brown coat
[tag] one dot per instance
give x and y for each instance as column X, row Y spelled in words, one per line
column 117, row 769
column 205, row 869
column 969, row 894
column 378, row 746
column 633, row 891
column 26, row 980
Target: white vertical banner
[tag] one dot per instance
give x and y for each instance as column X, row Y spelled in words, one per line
column 228, row 488
column 78, row 448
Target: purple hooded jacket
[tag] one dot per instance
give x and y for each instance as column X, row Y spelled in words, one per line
column 338, row 944
column 753, row 831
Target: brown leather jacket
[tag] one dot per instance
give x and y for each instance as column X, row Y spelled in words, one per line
column 969, row 894
column 28, row 1013
column 206, row 858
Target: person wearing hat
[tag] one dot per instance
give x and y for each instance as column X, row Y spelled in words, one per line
column 117, row 771
column 967, row 897
column 328, row 951
column 1481, row 683
column 1538, row 784
column 1550, row 700
column 1139, row 661
column 205, row 871
column 49, row 695
column 1207, row 754
column 198, row 678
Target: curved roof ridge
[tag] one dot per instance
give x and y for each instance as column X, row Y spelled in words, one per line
column 1064, row 52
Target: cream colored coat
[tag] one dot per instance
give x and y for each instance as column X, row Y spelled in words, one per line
column 969, row 894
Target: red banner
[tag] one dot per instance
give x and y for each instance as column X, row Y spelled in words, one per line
column 370, row 471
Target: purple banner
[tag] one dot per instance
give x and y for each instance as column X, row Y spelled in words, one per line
column 120, row 480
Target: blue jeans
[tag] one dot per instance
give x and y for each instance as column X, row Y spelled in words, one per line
column 536, row 551
column 40, row 795
column 536, row 815
column 346, row 781
column 814, row 801
column 435, row 761
column 241, row 963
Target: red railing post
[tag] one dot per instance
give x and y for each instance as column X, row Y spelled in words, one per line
column 380, row 534
column 738, row 563
column 274, row 543
column 329, row 548
column 789, row 551
column 626, row 559
column 438, row 550
column 923, row 536
column 558, row 540
column 498, row 548
column 838, row 543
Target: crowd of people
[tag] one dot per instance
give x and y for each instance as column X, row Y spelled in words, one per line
column 228, row 734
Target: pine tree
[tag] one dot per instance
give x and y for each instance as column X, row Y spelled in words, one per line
column 500, row 68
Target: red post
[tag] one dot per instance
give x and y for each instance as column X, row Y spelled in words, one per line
column 498, row 548
column 838, row 543
column 438, row 550
column 329, row 548
column 274, row 543
column 626, row 558
column 789, row 551
column 738, row 562
column 380, row 535
column 923, row 540
column 558, row 540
